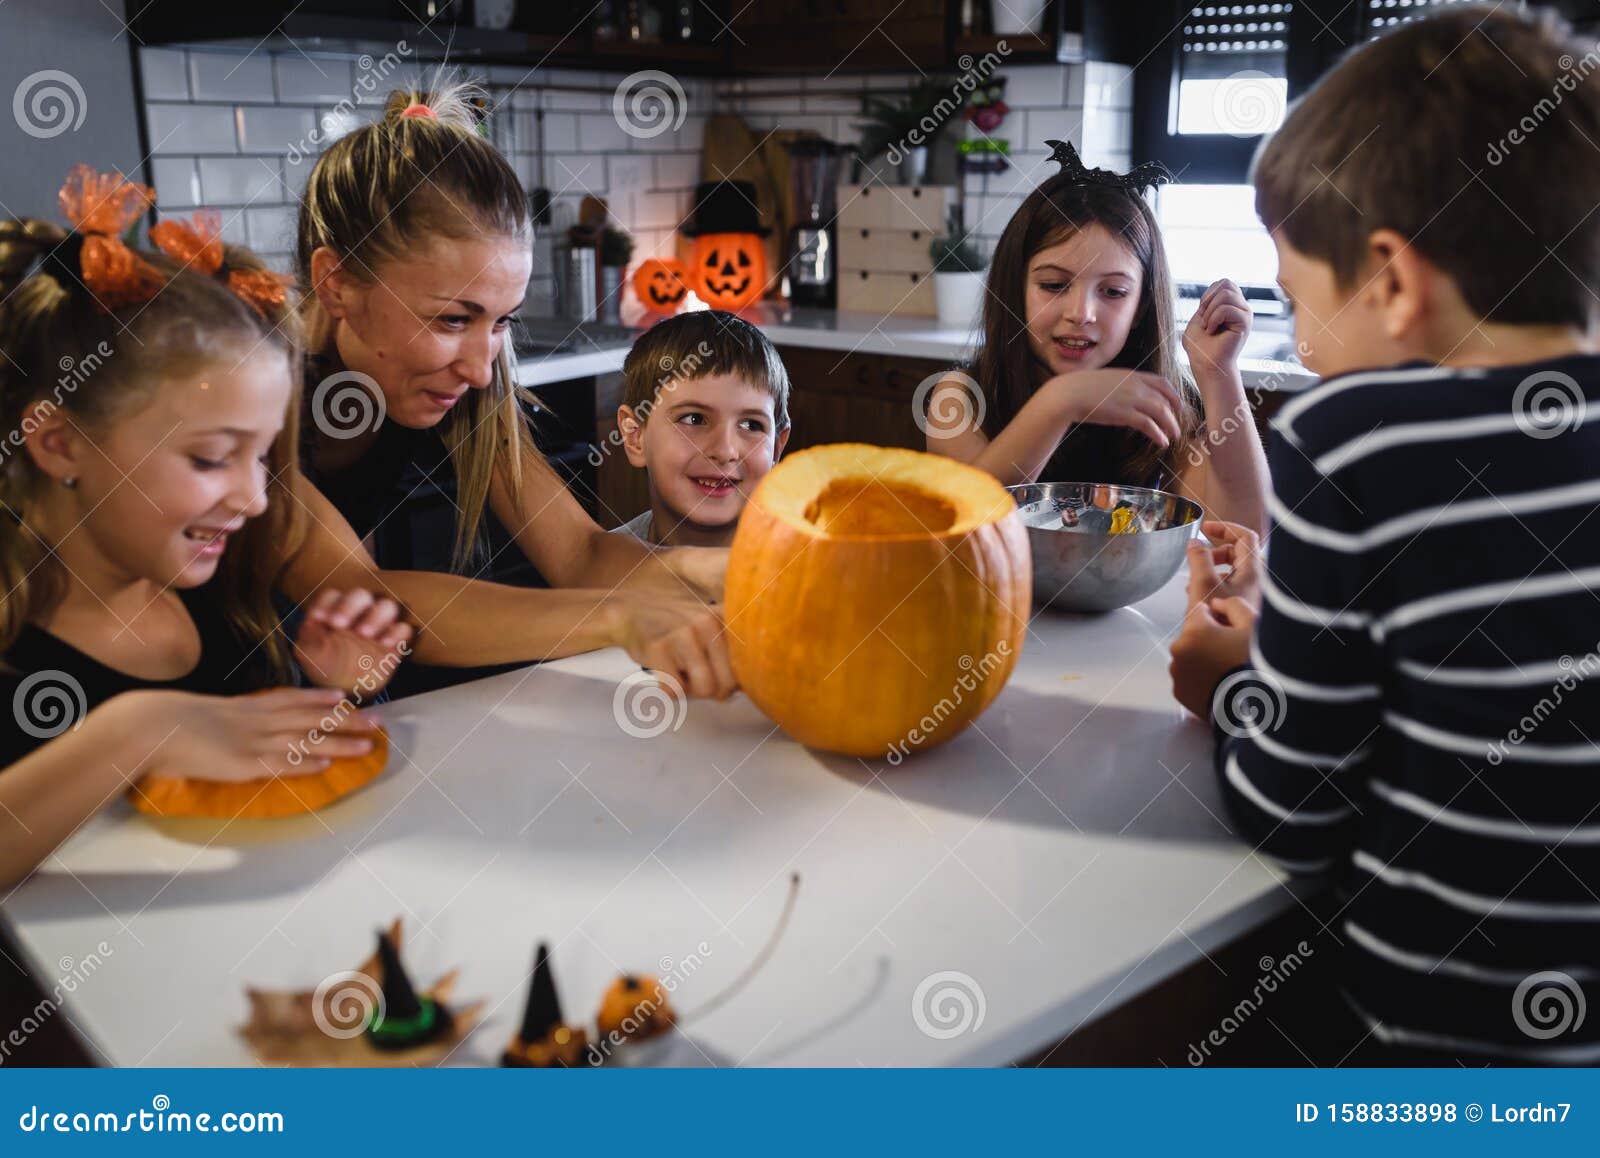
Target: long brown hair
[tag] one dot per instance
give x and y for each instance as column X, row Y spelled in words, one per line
column 1005, row 365
column 372, row 197
column 63, row 350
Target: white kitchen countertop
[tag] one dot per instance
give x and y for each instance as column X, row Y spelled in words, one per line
column 1062, row 856
column 863, row 333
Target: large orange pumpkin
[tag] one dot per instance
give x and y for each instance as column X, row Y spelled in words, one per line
column 661, row 284
column 876, row 598
column 267, row 797
column 729, row 270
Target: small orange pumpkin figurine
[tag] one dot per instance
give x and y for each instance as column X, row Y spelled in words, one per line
column 728, row 269
column 635, row 1008
column 661, row 284
column 267, row 797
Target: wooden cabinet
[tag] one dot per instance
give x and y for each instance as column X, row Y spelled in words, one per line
column 836, row 396
column 794, row 36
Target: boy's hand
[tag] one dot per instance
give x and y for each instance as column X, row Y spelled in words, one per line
column 1217, row 332
column 1214, row 640
column 1235, row 547
column 352, row 640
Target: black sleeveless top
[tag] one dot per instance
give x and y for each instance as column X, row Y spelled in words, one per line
column 47, row 685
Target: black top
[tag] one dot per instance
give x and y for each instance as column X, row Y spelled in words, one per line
column 47, row 685
column 1102, row 454
column 1426, row 693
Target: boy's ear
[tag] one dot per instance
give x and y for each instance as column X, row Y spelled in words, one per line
column 55, row 445
column 1400, row 282
column 780, row 442
column 631, row 427
column 331, row 282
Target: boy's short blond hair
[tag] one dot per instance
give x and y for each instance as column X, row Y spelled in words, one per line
column 1475, row 134
column 699, row 344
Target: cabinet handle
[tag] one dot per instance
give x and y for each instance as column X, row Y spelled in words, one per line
column 893, row 379
column 862, row 374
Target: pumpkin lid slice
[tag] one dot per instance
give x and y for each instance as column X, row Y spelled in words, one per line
column 851, row 490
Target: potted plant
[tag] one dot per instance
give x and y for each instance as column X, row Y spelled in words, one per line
column 958, row 277
column 616, row 250
column 904, row 129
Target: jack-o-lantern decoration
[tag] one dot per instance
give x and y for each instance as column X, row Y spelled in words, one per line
column 728, row 268
column 661, row 284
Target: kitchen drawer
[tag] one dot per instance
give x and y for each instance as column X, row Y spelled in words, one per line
column 895, row 206
column 901, row 294
column 886, row 250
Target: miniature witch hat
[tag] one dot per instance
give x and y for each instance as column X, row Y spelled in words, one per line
column 404, row 1019
column 725, row 207
column 545, row 1039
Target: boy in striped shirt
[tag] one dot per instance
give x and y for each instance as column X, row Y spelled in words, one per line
column 1414, row 706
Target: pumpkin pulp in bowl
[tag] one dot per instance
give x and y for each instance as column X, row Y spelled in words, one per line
column 876, row 597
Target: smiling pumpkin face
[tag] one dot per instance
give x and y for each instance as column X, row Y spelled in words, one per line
column 661, row 284
column 730, row 269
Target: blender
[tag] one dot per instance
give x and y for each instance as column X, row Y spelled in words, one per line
column 812, row 257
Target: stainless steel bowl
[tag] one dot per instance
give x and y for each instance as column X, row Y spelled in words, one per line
column 1098, row 546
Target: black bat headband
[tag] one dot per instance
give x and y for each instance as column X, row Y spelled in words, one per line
column 1136, row 180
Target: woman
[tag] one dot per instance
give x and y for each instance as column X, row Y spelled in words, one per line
column 414, row 246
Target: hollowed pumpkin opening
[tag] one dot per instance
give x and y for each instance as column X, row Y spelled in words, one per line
column 857, row 508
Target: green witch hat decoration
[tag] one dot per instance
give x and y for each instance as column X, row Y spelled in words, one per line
column 405, row 1018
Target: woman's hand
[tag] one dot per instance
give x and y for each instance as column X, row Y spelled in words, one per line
column 1216, row 333
column 279, row 732
column 678, row 637
column 1144, row 402
column 1235, row 547
column 352, row 641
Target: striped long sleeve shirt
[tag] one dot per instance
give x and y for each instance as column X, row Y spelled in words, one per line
column 1421, row 717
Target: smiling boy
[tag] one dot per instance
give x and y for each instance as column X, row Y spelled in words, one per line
column 1413, row 713
column 705, row 412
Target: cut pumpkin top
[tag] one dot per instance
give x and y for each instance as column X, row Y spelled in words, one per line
column 852, row 490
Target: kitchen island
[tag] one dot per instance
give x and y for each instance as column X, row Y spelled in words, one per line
column 974, row 905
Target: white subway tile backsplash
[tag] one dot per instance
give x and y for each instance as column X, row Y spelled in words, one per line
column 271, row 229
column 560, row 133
column 240, row 180
column 600, row 132
column 1107, row 85
column 305, row 80
column 677, row 170
column 177, row 184
column 1036, row 86
column 662, row 211
column 1037, row 126
column 575, row 173
column 191, row 129
column 216, row 76
column 164, row 73
column 629, row 173
column 275, row 130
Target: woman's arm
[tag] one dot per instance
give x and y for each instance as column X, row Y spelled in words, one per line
column 1109, row 397
column 570, row 549
column 465, row 622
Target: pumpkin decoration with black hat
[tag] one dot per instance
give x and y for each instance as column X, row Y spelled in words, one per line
column 728, row 265
column 545, row 1040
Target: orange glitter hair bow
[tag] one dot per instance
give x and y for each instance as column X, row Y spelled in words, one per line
column 100, row 207
column 198, row 243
